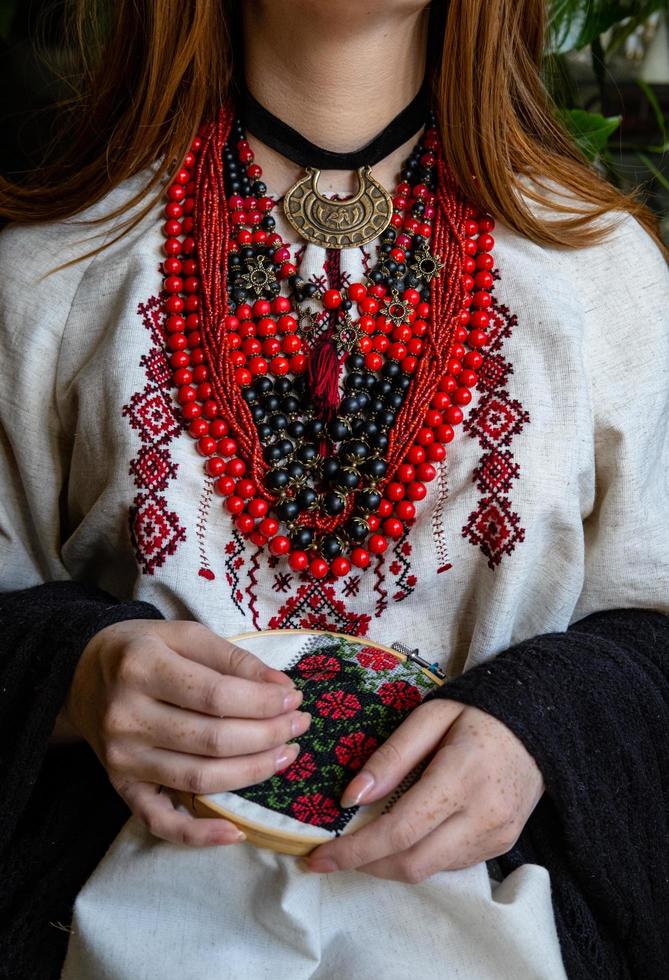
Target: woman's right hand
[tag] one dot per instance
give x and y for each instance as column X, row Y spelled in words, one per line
column 173, row 704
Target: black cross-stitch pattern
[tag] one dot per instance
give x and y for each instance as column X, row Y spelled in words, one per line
column 357, row 697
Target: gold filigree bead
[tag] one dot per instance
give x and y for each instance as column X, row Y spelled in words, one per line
column 425, row 265
column 259, row 276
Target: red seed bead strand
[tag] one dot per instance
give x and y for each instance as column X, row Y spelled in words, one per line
column 213, row 239
column 454, row 242
column 217, row 240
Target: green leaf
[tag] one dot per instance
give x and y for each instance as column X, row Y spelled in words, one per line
column 575, row 23
column 591, row 131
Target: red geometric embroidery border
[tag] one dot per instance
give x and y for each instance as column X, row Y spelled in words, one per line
column 155, row 531
column 498, row 418
column 315, row 606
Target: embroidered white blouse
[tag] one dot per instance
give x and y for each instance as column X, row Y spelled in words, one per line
column 553, row 502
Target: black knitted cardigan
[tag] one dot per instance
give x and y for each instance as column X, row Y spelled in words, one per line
column 591, row 705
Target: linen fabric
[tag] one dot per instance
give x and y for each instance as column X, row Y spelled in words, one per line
column 156, row 910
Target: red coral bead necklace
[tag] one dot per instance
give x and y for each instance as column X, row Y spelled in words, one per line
column 321, row 429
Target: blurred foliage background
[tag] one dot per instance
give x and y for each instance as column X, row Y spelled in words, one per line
column 607, row 67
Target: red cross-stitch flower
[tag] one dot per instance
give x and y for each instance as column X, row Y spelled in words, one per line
column 400, row 695
column 338, row 704
column 303, row 768
column 315, row 809
column 376, row 659
column 355, row 749
column 319, row 667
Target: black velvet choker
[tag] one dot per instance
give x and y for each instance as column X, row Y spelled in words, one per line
column 291, row 144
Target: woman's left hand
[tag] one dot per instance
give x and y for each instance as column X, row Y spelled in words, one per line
column 470, row 804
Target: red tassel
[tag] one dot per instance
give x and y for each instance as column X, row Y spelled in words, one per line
column 324, row 378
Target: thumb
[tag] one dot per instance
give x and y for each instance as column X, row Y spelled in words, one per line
column 417, row 737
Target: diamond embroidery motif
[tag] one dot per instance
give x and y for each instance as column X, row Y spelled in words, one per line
column 496, row 472
column 495, row 528
column 494, row 372
column 152, row 416
column 156, row 366
column 152, row 468
column 496, row 420
column 155, row 531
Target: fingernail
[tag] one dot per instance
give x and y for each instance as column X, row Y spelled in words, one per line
column 300, row 723
column 229, row 838
column 357, row 789
column 287, row 755
column 292, row 700
column 320, row 866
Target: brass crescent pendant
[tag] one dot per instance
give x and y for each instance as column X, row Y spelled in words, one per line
column 338, row 224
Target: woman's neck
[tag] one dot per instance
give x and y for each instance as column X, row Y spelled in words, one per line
column 338, row 72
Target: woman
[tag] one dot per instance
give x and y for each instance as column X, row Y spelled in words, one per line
column 495, row 497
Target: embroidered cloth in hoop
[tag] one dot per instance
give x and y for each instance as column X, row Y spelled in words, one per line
column 358, row 693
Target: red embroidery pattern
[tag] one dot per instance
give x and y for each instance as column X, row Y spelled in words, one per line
column 152, row 468
column 356, row 699
column 316, row 809
column 155, row 531
column 354, row 750
column 251, row 588
column 400, row 568
column 319, row 668
column 366, row 258
column 375, row 659
column 400, row 695
column 379, row 575
column 283, row 582
column 205, row 571
column 303, row 768
column 395, row 565
column 316, row 606
column 351, row 586
column 234, row 561
column 438, row 531
column 332, row 268
column 494, row 526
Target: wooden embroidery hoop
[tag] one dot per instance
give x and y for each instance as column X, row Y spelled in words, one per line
column 281, row 841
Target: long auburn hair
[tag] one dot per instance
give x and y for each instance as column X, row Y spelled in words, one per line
column 148, row 72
